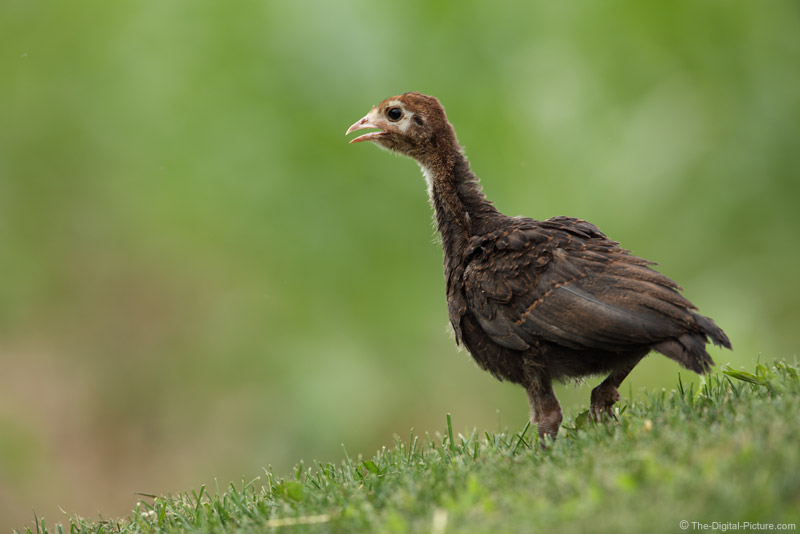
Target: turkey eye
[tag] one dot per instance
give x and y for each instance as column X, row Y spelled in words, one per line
column 394, row 114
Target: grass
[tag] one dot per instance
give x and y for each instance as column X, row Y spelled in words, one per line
column 728, row 452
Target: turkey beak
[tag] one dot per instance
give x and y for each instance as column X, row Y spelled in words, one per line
column 370, row 120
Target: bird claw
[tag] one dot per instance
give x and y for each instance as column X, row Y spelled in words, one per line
column 604, row 397
column 601, row 413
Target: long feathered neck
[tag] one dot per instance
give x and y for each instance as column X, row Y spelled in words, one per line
column 460, row 207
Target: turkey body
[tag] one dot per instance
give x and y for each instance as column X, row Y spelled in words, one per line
column 536, row 301
column 558, row 294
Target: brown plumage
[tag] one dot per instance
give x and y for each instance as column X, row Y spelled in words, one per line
column 537, row 301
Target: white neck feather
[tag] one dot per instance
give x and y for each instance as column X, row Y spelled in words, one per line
column 428, row 174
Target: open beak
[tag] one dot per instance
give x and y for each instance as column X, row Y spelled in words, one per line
column 368, row 121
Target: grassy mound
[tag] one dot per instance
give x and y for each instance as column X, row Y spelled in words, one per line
column 727, row 453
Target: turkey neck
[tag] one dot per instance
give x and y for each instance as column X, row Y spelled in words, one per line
column 460, row 207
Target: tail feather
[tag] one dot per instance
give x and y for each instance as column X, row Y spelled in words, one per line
column 711, row 330
column 689, row 349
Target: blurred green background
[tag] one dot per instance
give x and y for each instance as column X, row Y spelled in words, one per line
column 201, row 278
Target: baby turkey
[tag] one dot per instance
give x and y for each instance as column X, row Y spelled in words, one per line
column 537, row 301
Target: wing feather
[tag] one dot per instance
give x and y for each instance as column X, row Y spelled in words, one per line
column 563, row 281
